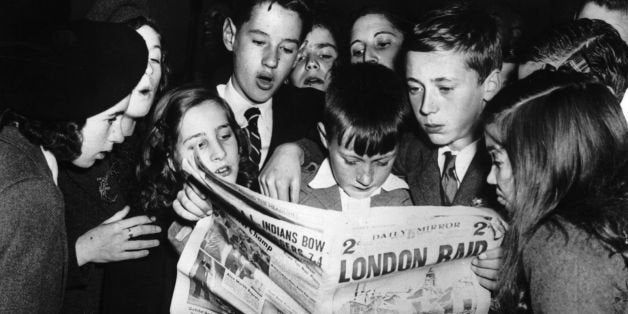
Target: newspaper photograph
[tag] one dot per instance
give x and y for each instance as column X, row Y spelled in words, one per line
column 259, row 255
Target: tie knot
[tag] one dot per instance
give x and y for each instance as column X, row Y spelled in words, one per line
column 251, row 113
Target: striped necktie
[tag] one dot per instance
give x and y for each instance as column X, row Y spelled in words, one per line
column 255, row 153
column 449, row 180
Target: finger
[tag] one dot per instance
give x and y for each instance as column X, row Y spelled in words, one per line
column 488, row 263
column 131, row 255
column 497, row 252
column 118, row 215
column 488, row 284
column 193, row 189
column 295, row 188
column 283, row 191
column 145, row 229
column 134, row 221
column 139, row 244
column 262, row 184
column 188, row 205
column 272, row 190
column 182, row 212
column 491, row 274
column 197, row 200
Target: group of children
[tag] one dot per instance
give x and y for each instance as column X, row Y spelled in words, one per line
column 402, row 124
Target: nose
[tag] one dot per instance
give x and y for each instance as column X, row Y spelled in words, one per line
column 365, row 175
column 490, row 179
column 115, row 134
column 370, row 56
column 311, row 63
column 217, row 152
column 271, row 57
column 428, row 106
column 149, row 69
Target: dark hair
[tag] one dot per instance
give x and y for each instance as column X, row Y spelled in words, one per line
column 586, row 46
column 615, row 5
column 564, row 135
column 62, row 138
column 241, row 11
column 140, row 21
column 365, row 104
column 465, row 29
column 398, row 22
column 324, row 17
column 159, row 183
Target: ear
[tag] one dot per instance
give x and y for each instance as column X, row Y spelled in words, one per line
column 323, row 134
column 492, row 84
column 228, row 34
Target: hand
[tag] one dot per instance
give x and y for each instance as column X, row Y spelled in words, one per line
column 281, row 177
column 191, row 203
column 111, row 240
column 487, row 267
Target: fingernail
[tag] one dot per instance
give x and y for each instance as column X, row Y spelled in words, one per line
column 158, row 229
column 482, row 256
column 153, row 218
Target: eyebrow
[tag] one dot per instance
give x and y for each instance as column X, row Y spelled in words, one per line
column 384, row 33
column 197, row 135
column 262, row 33
column 325, row 45
column 117, row 113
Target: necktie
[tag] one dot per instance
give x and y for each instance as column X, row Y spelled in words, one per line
column 449, row 180
column 252, row 116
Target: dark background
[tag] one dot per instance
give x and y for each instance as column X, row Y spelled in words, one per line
column 194, row 51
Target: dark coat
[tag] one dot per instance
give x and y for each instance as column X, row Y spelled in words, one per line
column 33, row 245
column 417, row 162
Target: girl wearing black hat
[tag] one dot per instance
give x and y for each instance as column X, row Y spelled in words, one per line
column 63, row 100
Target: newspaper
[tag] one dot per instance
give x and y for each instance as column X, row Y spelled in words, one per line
column 259, row 255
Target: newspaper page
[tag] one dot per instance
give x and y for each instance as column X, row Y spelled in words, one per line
column 267, row 256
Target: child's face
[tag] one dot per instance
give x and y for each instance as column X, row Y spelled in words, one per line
column 358, row 176
column 375, row 39
column 316, row 58
column 501, row 170
column 446, row 97
column 265, row 48
column 205, row 127
column 99, row 134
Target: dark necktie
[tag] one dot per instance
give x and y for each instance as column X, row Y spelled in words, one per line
column 255, row 153
column 449, row 180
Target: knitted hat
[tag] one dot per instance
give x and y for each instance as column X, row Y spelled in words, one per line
column 72, row 73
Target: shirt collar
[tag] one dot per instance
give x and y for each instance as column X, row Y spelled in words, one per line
column 52, row 164
column 324, row 178
column 463, row 157
column 239, row 103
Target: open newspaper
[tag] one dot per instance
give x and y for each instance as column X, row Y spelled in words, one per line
column 259, row 255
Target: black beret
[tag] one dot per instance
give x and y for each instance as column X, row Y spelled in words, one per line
column 73, row 72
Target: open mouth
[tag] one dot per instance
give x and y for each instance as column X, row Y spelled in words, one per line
column 223, row 171
column 312, row 80
column 264, row 81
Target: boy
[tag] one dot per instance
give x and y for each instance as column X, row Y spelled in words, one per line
column 452, row 68
column 264, row 37
column 364, row 110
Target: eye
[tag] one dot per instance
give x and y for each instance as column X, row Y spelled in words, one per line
column 287, row 50
column 112, row 120
column 445, row 89
column 357, row 53
column 223, row 136
column 383, row 44
column 415, row 90
column 155, row 60
column 383, row 163
column 258, row 42
column 350, row 162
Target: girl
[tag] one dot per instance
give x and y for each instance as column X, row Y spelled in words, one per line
column 556, row 141
column 185, row 119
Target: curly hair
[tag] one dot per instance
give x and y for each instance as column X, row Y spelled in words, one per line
column 62, row 138
column 159, row 182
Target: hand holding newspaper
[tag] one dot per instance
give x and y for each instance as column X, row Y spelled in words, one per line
column 260, row 255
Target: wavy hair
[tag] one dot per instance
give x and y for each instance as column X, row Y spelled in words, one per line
column 159, row 183
column 565, row 136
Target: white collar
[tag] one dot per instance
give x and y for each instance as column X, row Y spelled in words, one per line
column 624, row 105
column 324, row 178
column 52, row 164
column 463, row 158
column 239, row 103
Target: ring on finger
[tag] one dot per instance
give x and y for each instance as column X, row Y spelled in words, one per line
column 130, row 233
